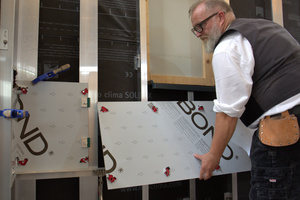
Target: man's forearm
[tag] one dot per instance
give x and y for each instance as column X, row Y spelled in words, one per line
column 224, row 129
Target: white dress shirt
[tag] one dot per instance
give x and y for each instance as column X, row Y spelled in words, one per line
column 233, row 65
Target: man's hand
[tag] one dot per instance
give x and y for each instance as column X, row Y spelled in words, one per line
column 209, row 163
column 224, row 128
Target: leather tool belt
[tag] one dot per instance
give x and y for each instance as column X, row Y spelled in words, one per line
column 280, row 130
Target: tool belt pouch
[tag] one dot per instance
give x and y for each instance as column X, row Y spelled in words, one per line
column 279, row 131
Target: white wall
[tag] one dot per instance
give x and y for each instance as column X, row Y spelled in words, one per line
column 6, row 64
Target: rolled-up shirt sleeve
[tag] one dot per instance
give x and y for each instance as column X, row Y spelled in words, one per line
column 233, row 65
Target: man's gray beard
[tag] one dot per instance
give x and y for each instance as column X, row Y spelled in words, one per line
column 209, row 45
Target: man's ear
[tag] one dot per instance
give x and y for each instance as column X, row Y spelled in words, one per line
column 221, row 16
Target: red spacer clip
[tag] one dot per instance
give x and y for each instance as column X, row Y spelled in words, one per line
column 111, row 178
column 103, row 109
column 22, row 162
column 84, row 160
column 200, row 108
column 85, row 91
column 24, row 90
column 155, row 109
column 167, row 171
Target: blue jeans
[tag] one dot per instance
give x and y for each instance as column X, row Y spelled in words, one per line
column 275, row 172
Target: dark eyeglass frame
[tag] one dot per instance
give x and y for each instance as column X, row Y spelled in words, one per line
column 198, row 27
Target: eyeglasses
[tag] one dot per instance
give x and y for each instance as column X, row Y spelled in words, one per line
column 198, row 28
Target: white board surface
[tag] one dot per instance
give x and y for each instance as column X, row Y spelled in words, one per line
column 51, row 138
column 139, row 143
